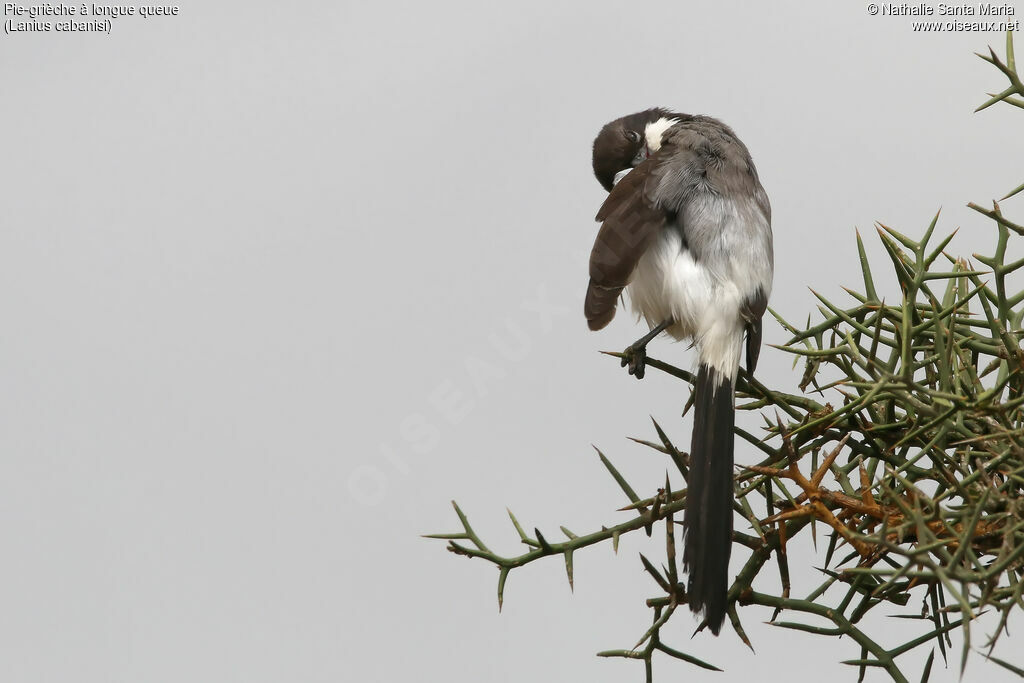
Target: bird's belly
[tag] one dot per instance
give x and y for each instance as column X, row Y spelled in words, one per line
column 669, row 283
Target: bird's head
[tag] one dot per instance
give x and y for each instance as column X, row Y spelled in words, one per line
column 626, row 142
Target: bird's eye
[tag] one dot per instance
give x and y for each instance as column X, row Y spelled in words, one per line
column 632, row 136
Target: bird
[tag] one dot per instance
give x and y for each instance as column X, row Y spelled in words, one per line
column 686, row 231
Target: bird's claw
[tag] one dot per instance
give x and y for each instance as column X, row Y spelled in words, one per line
column 635, row 359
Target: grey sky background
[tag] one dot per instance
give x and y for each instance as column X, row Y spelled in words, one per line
column 281, row 280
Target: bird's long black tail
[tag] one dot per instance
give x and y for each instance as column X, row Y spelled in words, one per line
column 708, row 516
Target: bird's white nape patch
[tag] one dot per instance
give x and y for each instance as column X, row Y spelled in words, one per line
column 654, row 131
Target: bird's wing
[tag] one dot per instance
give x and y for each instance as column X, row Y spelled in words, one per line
column 643, row 202
column 629, row 221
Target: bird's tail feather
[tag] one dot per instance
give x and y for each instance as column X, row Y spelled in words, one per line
column 708, row 516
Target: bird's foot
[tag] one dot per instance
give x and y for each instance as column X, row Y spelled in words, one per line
column 634, row 358
column 635, row 355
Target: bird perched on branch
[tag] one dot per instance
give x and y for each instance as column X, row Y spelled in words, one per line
column 686, row 228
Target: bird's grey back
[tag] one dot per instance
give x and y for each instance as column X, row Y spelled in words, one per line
column 705, row 178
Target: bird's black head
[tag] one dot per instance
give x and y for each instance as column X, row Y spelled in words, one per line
column 625, row 142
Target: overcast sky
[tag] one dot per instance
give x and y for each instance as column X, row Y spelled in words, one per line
column 281, row 280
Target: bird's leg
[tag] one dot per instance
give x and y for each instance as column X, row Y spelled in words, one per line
column 635, row 355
